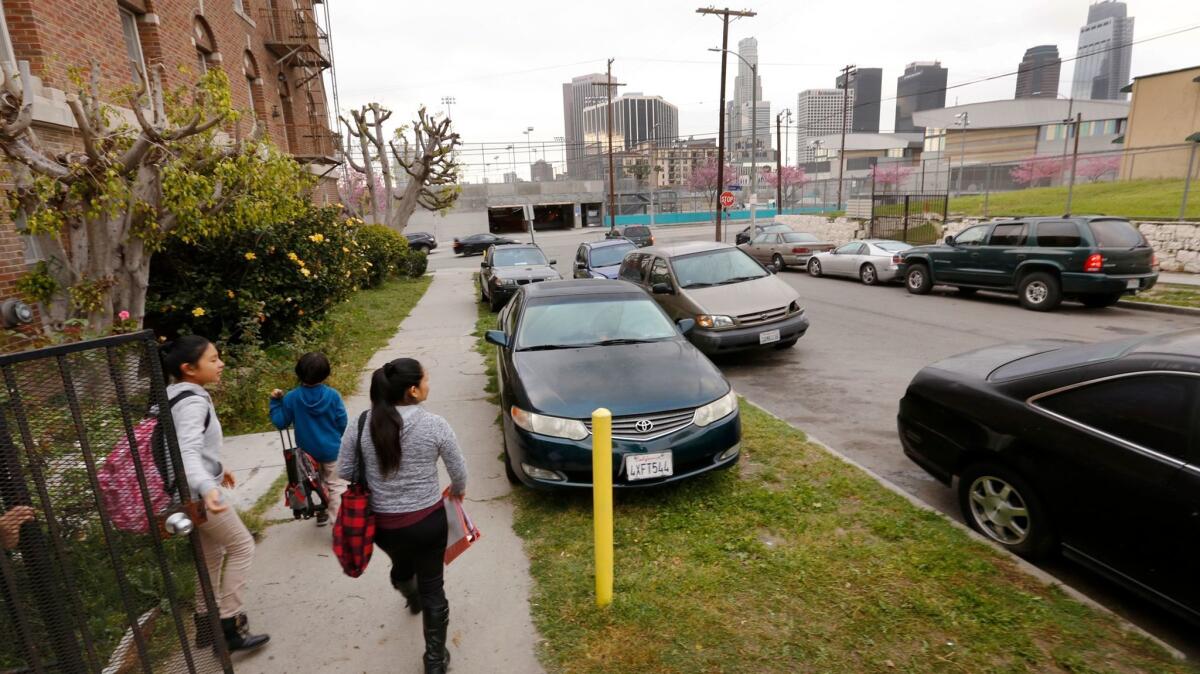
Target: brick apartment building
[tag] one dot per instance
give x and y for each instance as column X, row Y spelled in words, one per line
column 274, row 52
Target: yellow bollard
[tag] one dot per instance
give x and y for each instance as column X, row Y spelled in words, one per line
column 602, row 503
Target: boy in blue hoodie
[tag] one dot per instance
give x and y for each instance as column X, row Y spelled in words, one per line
column 319, row 416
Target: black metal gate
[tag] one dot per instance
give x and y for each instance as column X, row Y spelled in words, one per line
column 77, row 593
column 912, row 218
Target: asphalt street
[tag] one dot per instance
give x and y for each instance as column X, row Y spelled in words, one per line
column 842, row 382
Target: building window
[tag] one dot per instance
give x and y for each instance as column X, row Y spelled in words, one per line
column 206, row 46
column 6, row 50
column 239, row 6
column 133, row 41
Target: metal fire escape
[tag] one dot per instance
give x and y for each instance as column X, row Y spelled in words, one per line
column 302, row 45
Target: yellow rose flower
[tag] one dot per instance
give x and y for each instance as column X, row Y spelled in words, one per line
column 251, row 256
column 230, row 293
column 317, row 238
column 293, row 257
column 305, row 272
column 198, row 312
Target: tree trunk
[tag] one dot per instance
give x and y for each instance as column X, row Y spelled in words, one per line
column 406, row 205
column 385, row 166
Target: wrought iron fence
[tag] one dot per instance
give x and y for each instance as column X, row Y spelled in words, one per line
column 77, row 592
column 912, row 218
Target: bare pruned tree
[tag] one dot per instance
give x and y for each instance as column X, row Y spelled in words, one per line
column 431, row 175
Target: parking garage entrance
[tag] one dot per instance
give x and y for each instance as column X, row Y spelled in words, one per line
column 507, row 219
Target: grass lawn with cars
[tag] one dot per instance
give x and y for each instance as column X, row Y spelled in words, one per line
column 796, row 561
column 1174, row 294
column 1135, row 199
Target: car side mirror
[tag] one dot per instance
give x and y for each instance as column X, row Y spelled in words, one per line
column 553, row 262
column 686, row 325
column 484, row 265
column 949, row 240
column 662, row 289
column 496, row 337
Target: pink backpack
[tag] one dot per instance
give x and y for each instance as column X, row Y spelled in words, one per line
column 119, row 489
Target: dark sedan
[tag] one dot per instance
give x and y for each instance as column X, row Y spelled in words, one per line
column 477, row 243
column 506, row 268
column 601, row 259
column 567, row 348
column 640, row 235
column 421, row 241
column 1088, row 449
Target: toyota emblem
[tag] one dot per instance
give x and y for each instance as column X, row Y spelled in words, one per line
column 764, row 317
column 643, row 426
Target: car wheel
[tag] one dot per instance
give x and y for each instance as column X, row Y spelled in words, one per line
column 508, row 469
column 868, row 275
column 814, row 267
column 1001, row 505
column 1040, row 291
column 1100, row 301
column 495, row 303
column 967, row 292
column 777, row 260
column 917, row 280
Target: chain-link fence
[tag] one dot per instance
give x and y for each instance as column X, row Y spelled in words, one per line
column 90, row 579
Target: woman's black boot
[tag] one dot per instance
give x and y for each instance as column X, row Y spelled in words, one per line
column 237, row 634
column 437, row 656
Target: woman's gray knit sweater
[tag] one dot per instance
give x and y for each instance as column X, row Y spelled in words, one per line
column 425, row 437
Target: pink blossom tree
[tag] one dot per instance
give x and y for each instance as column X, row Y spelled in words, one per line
column 793, row 179
column 356, row 197
column 704, row 179
column 889, row 176
column 1032, row 171
column 1095, row 168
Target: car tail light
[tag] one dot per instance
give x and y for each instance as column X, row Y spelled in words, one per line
column 800, row 251
column 1154, row 260
column 896, row 259
column 1095, row 262
column 652, row 241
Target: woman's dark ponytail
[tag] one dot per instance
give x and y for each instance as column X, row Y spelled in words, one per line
column 389, row 387
column 185, row 350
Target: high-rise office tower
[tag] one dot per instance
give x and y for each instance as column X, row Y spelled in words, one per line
column 1104, row 54
column 867, row 84
column 921, row 87
column 741, row 112
column 819, row 113
column 1037, row 76
column 581, row 92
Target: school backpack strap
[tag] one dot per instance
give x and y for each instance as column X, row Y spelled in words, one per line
column 188, row 394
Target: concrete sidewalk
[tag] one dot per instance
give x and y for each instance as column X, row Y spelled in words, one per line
column 323, row 621
column 1179, row 278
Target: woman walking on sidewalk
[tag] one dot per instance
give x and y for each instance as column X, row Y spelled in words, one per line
column 193, row 363
column 400, row 453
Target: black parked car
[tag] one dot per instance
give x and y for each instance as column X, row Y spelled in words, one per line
column 1096, row 260
column 640, row 235
column 569, row 347
column 506, row 268
column 1088, row 449
column 421, row 241
column 477, row 243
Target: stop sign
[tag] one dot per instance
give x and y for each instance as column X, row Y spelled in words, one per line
column 727, row 199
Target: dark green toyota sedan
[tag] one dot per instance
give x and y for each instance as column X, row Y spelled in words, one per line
column 1093, row 259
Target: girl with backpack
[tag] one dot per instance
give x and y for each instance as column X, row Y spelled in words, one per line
column 192, row 362
column 400, row 451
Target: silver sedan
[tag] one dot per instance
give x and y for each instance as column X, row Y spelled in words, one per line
column 870, row 260
column 785, row 248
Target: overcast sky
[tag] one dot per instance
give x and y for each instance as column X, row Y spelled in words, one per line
column 504, row 63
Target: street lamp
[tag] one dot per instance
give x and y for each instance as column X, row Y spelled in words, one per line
column 529, row 151
column 964, row 119
column 448, row 101
column 753, row 131
column 512, row 155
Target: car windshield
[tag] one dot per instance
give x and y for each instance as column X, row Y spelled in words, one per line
column 1116, row 234
column 518, row 257
column 776, row 228
column 892, row 246
column 610, row 255
column 636, row 231
column 799, row 237
column 590, row 322
column 717, row 267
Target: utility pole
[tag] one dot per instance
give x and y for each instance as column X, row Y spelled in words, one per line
column 847, row 73
column 724, row 14
column 778, row 165
column 612, row 181
column 1074, row 161
column 965, row 118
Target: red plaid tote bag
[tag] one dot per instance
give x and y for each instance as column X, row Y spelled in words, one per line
column 354, row 531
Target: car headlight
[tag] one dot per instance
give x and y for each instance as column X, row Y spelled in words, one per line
column 571, row 429
column 508, row 282
column 794, row 307
column 708, row 321
column 716, row 410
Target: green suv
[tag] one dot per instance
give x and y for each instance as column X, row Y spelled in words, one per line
column 1093, row 259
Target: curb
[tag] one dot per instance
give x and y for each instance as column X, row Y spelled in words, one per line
column 1028, row 568
column 1158, row 308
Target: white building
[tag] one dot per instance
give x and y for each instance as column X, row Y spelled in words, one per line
column 819, row 114
column 1102, row 67
column 742, row 111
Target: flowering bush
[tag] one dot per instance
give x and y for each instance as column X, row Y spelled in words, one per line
column 278, row 278
column 386, row 252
